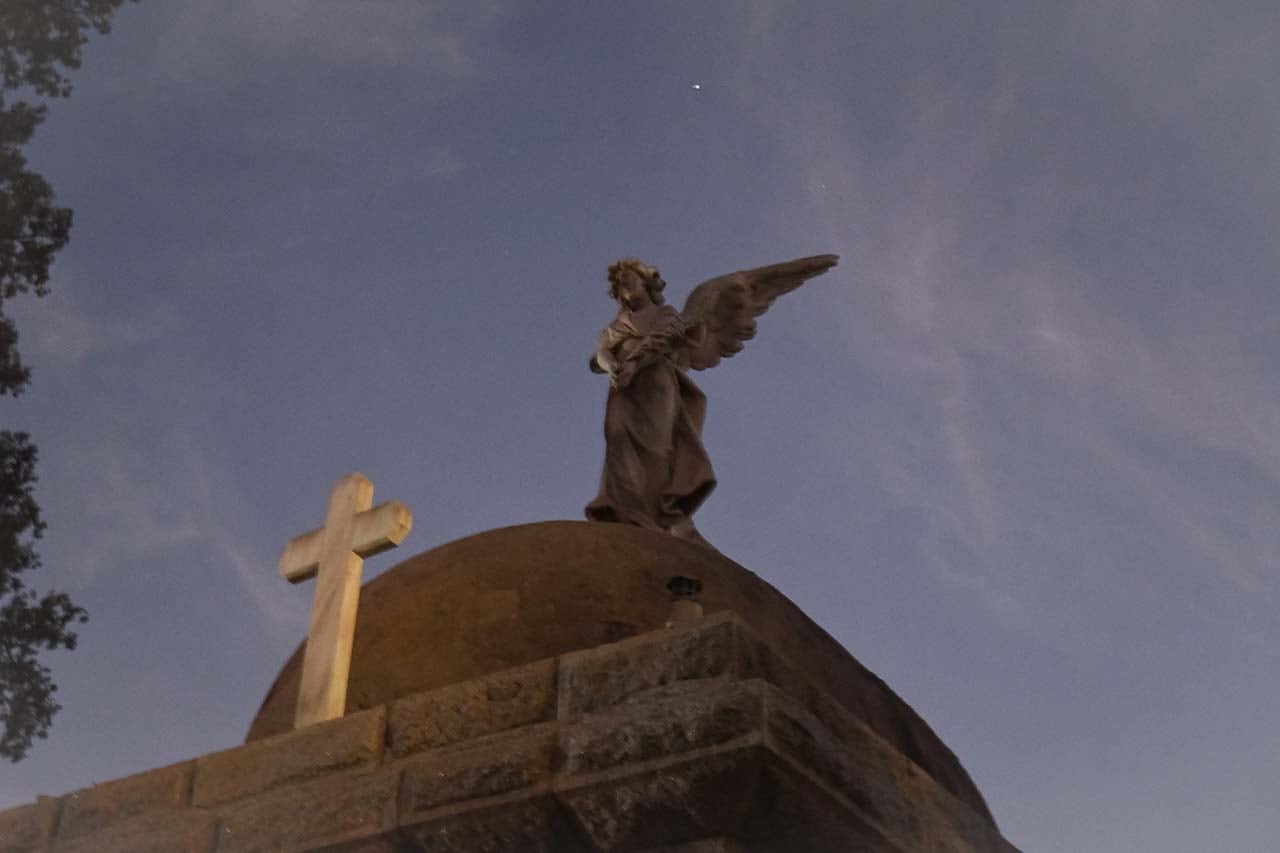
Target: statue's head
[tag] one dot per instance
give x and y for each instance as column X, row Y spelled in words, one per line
column 648, row 275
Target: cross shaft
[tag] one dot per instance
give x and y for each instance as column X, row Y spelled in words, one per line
column 334, row 555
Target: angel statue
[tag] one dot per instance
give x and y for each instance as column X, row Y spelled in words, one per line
column 656, row 471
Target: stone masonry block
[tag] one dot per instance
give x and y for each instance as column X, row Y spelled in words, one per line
column 873, row 778
column 962, row 822
column 386, row 843
column 705, row 845
column 460, row 712
column 594, row 679
column 884, row 788
column 496, row 765
column 29, row 828
column 528, row 822
column 675, row 720
column 352, row 808
column 676, row 802
column 352, row 741
column 792, row 811
column 19, row 831
column 90, row 809
column 675, row 741
column 753, row 658
column 875, row 707
column 185, row 831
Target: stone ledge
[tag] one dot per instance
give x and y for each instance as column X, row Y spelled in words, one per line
column 793, row 812
column 705, row 845
column 349, row 807
column 692, row 797
column 497, row 765
column 352, row 741
column 185, row 831
column 881, row 787
column 30, row 827
column 495, row 703
column 530, row 821
column 689, row 736
column 688, row 718
column 90, row 809
column 592, row 680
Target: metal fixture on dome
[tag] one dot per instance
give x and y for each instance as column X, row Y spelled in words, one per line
column 684, row 600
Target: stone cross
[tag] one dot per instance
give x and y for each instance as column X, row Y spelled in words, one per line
column 335, row 554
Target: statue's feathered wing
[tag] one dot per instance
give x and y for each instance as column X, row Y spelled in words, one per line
column 721, row 312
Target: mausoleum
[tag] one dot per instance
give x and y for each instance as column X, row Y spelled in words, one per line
column 548, row 687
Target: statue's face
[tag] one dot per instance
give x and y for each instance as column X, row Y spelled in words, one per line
column 631, row 290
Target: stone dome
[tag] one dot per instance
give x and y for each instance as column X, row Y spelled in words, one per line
column 520, row 594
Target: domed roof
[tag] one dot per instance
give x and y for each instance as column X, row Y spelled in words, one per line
column 517, row 595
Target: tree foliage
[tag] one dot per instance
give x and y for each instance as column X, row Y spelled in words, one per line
column 32, row 230
column 40, row 41
column 28, row 624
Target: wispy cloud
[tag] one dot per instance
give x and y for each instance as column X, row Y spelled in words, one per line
column 230, row 42
column 60, row 326
column 978, row 308
column 291, row 150
column 253, row 566
column 168, row 499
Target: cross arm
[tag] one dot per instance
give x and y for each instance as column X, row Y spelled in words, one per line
column 301, row 556
column 381, row 528
column 376, row 530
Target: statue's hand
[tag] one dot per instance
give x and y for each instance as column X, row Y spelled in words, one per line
column 622, row 377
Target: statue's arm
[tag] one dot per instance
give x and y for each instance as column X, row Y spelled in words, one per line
column 656, row 345
column 603, row 360
column 660, row 343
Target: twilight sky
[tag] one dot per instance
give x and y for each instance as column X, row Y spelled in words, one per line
column 1019, row 453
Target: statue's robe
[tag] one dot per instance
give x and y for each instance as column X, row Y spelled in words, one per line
column 656, row 471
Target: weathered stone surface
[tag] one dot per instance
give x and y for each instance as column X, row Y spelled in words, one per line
column 859, row 769
column 525, row 822
column 352, row 741
column 792, row 811
column 29, row 828
column 564, row 586
column 90, row 809
column 753, row 658
column 494, row 703
column 19, row 832
column 881, row 787
column 350, row 808
column 660, row 742
column 186, row 831
column 594, row 679
column 387, row 843
column 880, row 710
column 688, row 716
column 703, row 738
column 959, row 821
column 496, row 765
column 706, row 794
column 706, row 845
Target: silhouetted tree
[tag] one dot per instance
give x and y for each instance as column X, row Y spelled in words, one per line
column 39, row 41
column 28, row 624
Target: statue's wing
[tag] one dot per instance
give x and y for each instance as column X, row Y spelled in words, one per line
column 722, row 311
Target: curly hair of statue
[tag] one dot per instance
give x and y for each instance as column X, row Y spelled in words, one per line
column 649, row 274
